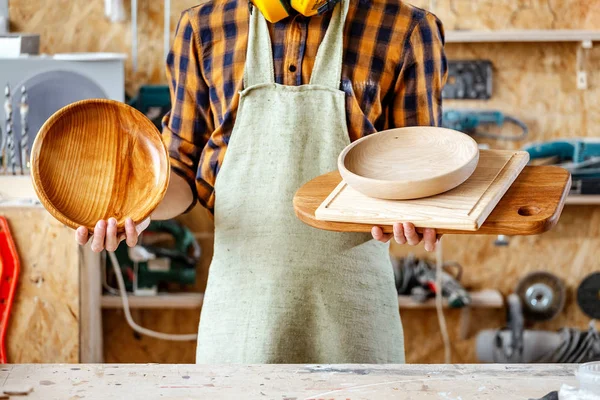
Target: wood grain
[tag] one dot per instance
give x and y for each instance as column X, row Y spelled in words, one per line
column 538, row 188
column 96, row 159
column 44, row 322
column 290, row 382
column 408, row 163
column 462, row 208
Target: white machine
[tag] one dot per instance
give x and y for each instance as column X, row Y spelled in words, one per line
column 53, row 82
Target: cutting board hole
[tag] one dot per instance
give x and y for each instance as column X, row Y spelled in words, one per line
column 528, row 211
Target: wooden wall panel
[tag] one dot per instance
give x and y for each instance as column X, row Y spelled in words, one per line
column 44, row 322
column 535, row 82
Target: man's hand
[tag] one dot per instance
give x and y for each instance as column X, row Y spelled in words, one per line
column 406, row 233
column 105, row 234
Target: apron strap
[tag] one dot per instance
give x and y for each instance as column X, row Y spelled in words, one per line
column 327, row 70
column 259, row 56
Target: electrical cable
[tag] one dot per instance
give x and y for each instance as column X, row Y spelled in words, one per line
column 130, row 321
column 512, row 120
column 439, row 301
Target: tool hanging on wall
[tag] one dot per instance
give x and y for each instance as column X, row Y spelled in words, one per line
column 581, row 157
column 542, row 296
column 10, row 152
column 588, row 295
column 9, row 273
column 24, row 111
column 471, row 122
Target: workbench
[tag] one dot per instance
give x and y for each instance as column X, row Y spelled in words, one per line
column 291, row 382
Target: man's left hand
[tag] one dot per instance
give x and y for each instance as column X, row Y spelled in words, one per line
column 406, row 233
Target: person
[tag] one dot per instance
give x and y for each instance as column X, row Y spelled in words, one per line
column 260, row 108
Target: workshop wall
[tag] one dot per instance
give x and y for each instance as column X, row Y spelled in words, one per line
column 534, row 82
column 44, row 321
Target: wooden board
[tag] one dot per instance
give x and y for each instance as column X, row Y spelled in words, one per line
column 537, row 188
column 464, row 207
column 44, row 322
column 289, row 382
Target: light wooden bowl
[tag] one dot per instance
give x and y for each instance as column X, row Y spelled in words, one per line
column 96, row 159
column 408, row 163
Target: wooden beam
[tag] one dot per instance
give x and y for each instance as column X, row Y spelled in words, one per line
column 90, row 321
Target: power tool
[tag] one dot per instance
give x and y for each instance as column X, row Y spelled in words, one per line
column 417, row 278
column 148, row 267
column 580, row 156
column 471, row 121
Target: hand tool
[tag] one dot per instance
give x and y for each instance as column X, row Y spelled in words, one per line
column 24, row 111
column 9, row 273
column 469, row 121
column 10, row 150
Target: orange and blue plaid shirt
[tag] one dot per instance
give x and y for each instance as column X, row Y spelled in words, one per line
column 394, row 69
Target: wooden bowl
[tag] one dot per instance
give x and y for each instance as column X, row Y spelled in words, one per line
column 408, row 163
column 96, row 159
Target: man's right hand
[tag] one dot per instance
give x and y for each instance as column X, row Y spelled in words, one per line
column 105, row 234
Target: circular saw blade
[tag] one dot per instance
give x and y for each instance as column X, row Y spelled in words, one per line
column 542, row 295
column 588, row 295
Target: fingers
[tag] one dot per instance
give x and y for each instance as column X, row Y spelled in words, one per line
column 429, row 238
column 412, row 237
column 99, row 235
column 82, row 235
column 131, row 233
column 378, row 234
column 110, row 241
column 399, row 233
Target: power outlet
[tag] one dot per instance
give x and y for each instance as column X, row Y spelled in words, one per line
column 468, row 79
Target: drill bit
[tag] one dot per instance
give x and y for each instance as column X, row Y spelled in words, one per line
column 11, row 155
column 24, row 111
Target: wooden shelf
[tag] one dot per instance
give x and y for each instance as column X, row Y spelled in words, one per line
column 526, row 35
column 582, row 199
column 175, row 300
column 482, row 299
column 488, row 298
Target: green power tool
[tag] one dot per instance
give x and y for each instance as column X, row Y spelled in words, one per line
column 147, row 268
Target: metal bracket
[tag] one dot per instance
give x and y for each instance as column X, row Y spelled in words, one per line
column 582, row 83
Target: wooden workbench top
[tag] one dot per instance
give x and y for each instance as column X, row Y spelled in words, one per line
column 291, row 382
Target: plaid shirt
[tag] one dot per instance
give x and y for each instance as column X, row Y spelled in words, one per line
column 393, row 72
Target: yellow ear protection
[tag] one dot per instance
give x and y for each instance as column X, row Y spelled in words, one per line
column 276, row 10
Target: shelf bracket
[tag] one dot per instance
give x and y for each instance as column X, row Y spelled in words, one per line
column 582, row 53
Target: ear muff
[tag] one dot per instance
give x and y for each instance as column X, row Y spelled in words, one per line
column 276, row 10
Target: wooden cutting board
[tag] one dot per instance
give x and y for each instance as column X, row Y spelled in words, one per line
column 463, row 208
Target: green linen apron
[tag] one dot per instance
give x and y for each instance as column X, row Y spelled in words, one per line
column 278, row 290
